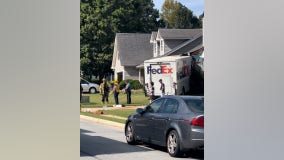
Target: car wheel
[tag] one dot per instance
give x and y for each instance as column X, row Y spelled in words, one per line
column 173, row 144
column 92, row 90
column 129, row 133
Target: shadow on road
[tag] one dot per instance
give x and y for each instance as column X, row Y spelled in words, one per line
column 196, row 154
column 96, row 145
column 92, row 145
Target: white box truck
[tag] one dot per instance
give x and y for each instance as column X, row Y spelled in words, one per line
column 173, row 70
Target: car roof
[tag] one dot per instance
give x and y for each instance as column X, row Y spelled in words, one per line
column 183, row 97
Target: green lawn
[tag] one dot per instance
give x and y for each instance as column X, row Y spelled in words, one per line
column 137, row 97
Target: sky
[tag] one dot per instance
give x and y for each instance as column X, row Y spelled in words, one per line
column 197, row 6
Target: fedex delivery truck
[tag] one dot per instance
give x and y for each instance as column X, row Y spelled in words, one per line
column 173, row 70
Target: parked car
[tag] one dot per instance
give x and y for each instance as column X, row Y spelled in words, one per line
column 89, row 87
column 176, row 122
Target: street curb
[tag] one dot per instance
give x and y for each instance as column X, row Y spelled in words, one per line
column 102, row 121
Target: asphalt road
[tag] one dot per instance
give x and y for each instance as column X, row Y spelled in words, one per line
column 101, row 142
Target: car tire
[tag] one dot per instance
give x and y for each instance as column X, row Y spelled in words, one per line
column 92, row 90
column 129, row 134
column 173, row 144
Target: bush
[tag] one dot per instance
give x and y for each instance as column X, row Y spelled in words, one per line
column 135, row 84
column 95, row 80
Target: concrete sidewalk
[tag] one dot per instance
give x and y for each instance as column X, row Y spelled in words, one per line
column 102, row 121
column 109, row 108
column 106, row 122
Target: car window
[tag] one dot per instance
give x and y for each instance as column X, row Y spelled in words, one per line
column 197, row 105
column 84, row 82
column 154, row 107
column 170, row 106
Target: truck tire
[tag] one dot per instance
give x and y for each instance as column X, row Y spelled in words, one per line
column 183, row 91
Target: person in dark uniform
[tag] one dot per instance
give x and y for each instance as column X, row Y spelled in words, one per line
column 152, row 92
column 162, row 88
column 115, row 91
column 128, row 91
column 104, row 91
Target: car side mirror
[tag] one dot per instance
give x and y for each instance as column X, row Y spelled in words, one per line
column 140, row 110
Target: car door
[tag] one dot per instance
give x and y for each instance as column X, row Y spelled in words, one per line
column 162, row 119
column 85, row 85
column 143, row 129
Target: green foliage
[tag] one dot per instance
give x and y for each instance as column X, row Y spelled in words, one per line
column 121, row 84
column 135, row 84
column 201, row 19
column 101, row 19
column 96, row 81
column 176, row 15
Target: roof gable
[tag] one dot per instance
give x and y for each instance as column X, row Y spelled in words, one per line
column 132, row 48
column 153, row 37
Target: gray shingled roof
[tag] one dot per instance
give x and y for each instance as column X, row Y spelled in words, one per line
column 132, row 48
column 187, row 46
column 178, row 33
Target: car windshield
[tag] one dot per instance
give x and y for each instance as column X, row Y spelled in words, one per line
column 197, row 105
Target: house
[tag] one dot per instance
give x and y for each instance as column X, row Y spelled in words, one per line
column 167, row 42
column 170, row 41
column 130, row 50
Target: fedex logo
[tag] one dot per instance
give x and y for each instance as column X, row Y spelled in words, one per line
column 161, row 70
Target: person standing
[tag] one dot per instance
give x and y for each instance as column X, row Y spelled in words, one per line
column 175, row 87
column 152, row 91
column 146, row 90
column 104, row 91
column 128, row 91
column 115, row 91
column 162, row 88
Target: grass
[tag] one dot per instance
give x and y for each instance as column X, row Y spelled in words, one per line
column 137, row 97
column 103, row 117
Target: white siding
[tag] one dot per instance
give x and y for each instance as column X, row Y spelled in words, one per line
column 162, row 47
column 118, row 67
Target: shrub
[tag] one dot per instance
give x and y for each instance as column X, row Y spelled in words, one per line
column 135, row 84
column 95, row 80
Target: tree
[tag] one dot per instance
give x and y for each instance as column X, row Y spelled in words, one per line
column 101, row 19
column 201, row 19
column 179, row 16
